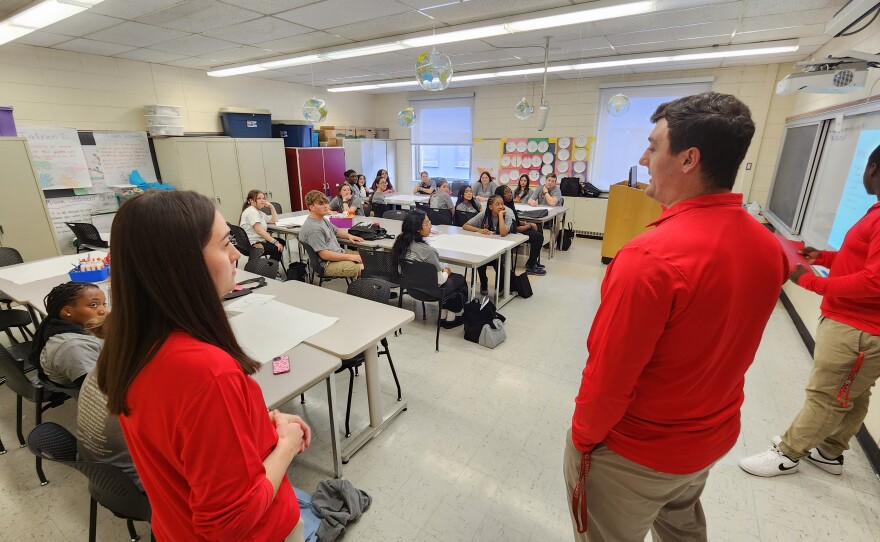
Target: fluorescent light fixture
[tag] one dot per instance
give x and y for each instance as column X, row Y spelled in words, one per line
column 599, row 64
column 10, row 32
column 236, row 71
column 457, row 35
column 363, row 51
column 580, row 17
column 288, row 62
column 41, row 15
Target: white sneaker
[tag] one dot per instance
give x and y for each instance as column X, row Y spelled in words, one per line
column 816, row 457
column 769, row 463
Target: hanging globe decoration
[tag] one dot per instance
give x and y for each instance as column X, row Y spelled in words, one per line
column 314, row 110
column 433, row 70
column 618, row 105
column 523, row 109
column 407, row 117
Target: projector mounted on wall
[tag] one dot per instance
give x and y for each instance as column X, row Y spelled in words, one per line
column 837, row 74
column 846, row 17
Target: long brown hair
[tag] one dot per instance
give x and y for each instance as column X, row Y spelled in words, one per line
column 159, row 287
column 252, row 195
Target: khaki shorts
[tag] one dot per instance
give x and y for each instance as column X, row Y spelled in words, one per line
column 342, row 269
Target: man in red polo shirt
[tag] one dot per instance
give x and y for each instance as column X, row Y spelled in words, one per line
column 847, row 356
column 683, row 310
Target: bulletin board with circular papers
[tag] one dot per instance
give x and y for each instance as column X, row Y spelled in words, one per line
column 567, row 156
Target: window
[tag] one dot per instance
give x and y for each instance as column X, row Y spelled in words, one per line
column 442, row 137
column 621, row 140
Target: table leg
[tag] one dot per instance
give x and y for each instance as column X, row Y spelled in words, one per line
column 473, row 282
column 334, row 438
column 508, row 295
column 378, row 421
column 552, row 236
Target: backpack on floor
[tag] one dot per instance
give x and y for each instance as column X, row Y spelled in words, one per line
column 477, row 315
column 564, row 238
column 521, row 285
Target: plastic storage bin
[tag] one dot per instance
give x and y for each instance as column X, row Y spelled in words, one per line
column 90, row 276
column 163, row 120
column 340, row 222
column 166, row 130
column 295, row 134
column 170, row 110
column 7, row 123
column 246, row 122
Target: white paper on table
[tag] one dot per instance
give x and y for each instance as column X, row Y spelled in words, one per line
column 248, row 302
column 292, row 221
column 274, row 328
column 34, row 271
column 527, row 207
column 470, row 244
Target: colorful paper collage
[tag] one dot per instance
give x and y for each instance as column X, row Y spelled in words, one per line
column 537, row 157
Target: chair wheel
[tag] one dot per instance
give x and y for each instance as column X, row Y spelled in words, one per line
column 44, row 483
column 22, row 445
column 347, row 435
column 344, row 462
column 3, row 452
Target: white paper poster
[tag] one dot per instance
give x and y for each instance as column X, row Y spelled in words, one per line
column 76, row 209
column 122, row 152
column 57, row 157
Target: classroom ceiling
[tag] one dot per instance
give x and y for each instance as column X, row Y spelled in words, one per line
column 204, row 34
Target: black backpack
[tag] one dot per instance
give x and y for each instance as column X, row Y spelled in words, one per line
column 564, row 237
column 591, row 191
column 570, row 186
column 369, row 232
column 477, row 315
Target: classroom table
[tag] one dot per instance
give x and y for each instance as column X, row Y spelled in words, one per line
column 362, row 324
column 554, row 215
column 407, row 200
column 454, row 257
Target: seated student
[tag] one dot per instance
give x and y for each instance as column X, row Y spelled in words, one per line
column 411, row 245
column 213, row 459
column 495, row 219
column 98, row 434
column 425, row 185
column 346, row 203
column 529, row 229
column 63, row 352
column 377, row 196
column 441, row 198
column 466, row 202
column 548, row 194
column 523, row 190
column 363, row 189
column 484, row 188
column 322, row 236
column 351, row 177
column 253, row 221
column 382, row 173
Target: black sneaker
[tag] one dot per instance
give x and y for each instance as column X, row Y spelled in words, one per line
column 540, row 265
column 484, row 291
column 535, row 271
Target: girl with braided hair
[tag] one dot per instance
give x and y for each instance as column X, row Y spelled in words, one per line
column 63, row 352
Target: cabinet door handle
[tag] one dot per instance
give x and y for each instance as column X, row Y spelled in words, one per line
column 1, row 229
column 270, row 194
column 218, row 199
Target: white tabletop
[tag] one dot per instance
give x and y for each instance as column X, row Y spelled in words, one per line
column 308, row 366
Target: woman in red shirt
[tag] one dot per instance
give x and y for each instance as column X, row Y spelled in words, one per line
column 212, row 460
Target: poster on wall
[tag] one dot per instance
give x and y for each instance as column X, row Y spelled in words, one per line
column 122, row 152
column 76, row 209
column 57, row 157
column 531, row 156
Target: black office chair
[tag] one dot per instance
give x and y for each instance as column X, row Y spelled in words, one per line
column 87, row 236
column 266, row 267
column 395, row 214
column 378, row 209
column 43, row 394
column 243, row 244
column 419, row 281
column 9, row 317
column 461, row 217
column 274, row 204
column 456, row 186
column 316, row 265
column 440, row 217
column 109, row 486
column 422, row 206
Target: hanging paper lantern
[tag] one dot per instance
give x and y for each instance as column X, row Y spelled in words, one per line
column 618, row 105
column 523, row 109
column 314, row 110
column 433, row 70
column 406, row 117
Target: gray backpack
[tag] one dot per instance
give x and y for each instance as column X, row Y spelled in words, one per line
column 493, row 333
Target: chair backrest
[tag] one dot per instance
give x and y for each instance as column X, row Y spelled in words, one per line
column 109, row 485
column 266, row 267
column 240, row 239
column 456, row 186
column 377, row 263
column 395, row 214
column 314, row 260
column 422, row 206
column 9, row 256
column 419, row 280
column 372, row 289
column 275, row 204
column 379, row 209
column 16, row 379
column 441, row 217
column 86, row 234
column 461, row 217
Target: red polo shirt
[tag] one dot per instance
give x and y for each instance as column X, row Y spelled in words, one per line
column 682, row 313
column 852, row 289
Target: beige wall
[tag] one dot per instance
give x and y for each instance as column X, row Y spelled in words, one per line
column 48, row 87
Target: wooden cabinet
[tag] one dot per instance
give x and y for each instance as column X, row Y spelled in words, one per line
column 25, row 224
column 263, row 167
column 313, row 168
column 629, row 213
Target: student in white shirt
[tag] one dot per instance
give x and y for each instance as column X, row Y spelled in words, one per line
column 254, row 221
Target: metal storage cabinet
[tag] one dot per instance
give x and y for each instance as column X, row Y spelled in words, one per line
column 313, row 168
column 263, row 167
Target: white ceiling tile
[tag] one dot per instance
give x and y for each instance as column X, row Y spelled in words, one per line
column 191, row 62
column 258, row 30
column 199, row 16
column 241, row 53
column 775, row 7
column 454, row 13
column 427, row 4
column 127, row 9
column 565, row 33
column 270, row 7
column 784, row 20
column 194, row 45
column 811, row 41
column 331, row 13
column 92, row 47
column 673, row 45
column 677, row 66
column 150, row 55
column 42, row 39
column 82, row 24
column 382, row 27
column 303, row 42
column 405, row 58
column 708, row 30
column 136, row 34
column 797, row 31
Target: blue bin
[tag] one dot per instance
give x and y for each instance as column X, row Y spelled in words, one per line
column 246, row 122
column 90, row 276
column 294, row 135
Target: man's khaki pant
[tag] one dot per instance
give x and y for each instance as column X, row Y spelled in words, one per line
column 625, row 499
column 343, row 269
column 824, row 421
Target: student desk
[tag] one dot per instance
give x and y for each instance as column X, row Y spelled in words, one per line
column 406, row 200
column 554, row 214
column 362, row 324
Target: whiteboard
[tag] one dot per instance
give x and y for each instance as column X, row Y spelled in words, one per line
column 122, row 152
column 76, row 209
column 57, row 157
